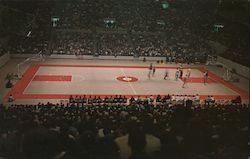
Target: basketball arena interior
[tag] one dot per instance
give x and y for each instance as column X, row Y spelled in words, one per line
column 124, row 79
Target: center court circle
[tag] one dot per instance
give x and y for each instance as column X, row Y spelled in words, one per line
column 127, row 79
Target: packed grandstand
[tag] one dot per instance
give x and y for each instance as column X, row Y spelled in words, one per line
column 153, row 127
column 93, row 128
column 141, row 28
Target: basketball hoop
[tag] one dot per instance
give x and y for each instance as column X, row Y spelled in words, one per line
column 227, row 76
column 36, row 57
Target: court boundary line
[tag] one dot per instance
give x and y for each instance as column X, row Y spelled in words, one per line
column 30, row 80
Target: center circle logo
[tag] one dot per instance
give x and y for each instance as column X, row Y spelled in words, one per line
column 127, row 79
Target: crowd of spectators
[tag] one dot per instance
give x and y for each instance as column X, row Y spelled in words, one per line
column 38, row 41
column 149, row 45
column 189, row 23
column 114, row 45
column 117, row 127
column 138, row 16
column 73, row 15
column 76, row 43
column 142, row 17
column 174, row 48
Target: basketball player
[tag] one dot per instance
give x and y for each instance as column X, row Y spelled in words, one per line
column 149, row 74
column 151, row 66
column 180, row 72
column 153, row 71
column 184, row 82
column 166, row 74
column 188, row 72
column 177, row 74
column 150, row 70
column 205, row 76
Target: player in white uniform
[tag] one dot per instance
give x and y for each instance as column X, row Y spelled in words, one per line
column 177, row 73
column 188, row 72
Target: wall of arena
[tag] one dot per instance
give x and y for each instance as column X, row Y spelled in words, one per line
column 89, row 57
column 4, row 59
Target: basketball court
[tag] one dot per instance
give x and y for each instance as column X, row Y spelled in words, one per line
column 59, row 81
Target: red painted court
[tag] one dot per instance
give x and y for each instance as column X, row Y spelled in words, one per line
column 58, row 78
column 56, row 81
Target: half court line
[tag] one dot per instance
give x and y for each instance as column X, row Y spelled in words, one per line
column 128, row 81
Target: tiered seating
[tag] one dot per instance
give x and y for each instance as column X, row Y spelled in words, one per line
column 184, row 28
column 39, row 41
column 115, row 45
column 162, row 127
column 73, row 43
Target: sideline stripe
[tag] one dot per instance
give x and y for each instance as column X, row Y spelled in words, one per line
column 20, row 85
column 57, row 78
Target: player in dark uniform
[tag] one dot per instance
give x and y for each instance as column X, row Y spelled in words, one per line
column 153, row 71
column 181, row 72
column 150, row 70
column 166, row 74
column 205, row 76
column 151, row 66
